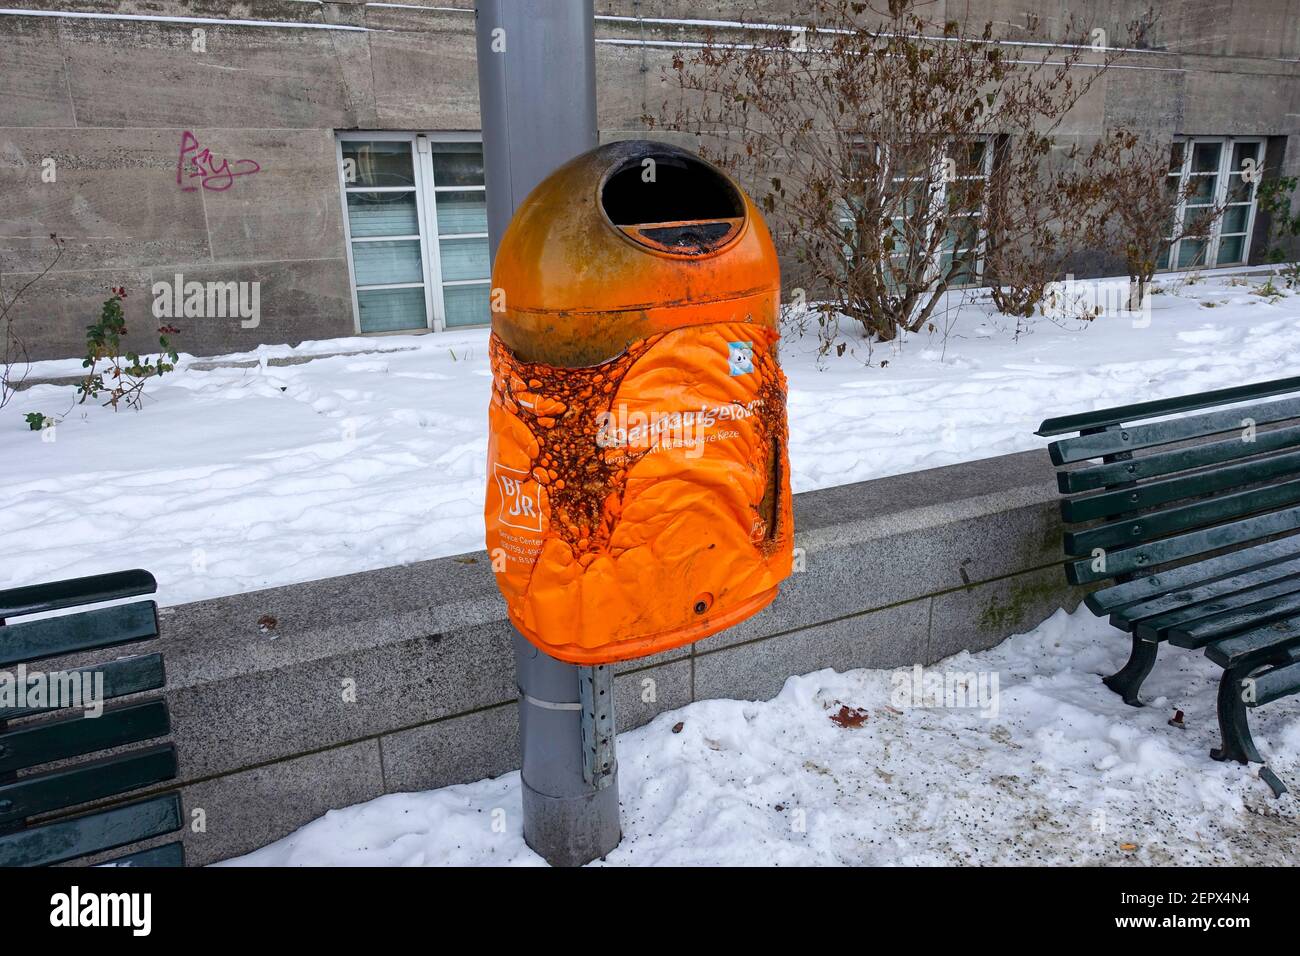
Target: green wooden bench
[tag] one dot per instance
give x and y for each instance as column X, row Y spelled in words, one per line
column 1189, row 507
column 52, row 738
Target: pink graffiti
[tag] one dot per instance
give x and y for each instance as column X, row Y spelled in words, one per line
column 203, row 166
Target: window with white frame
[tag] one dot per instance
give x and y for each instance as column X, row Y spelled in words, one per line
column 415, row 220
column 958, row 180
column 1208, row 173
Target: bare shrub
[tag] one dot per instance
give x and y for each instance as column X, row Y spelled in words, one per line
column 864, row 138
column 1139, row 199
column 1041, row 209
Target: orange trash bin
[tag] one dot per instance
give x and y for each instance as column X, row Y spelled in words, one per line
column 638, row 480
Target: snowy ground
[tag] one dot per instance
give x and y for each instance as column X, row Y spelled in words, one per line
column 242, row 478
column 1063, row 773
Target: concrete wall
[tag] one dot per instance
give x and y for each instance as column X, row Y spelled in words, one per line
column 109, row 99
column 902, row 570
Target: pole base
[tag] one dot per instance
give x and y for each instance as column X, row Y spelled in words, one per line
column 572, row 831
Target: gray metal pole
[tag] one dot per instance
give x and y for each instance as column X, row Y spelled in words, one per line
column 537, row 95
column 570, row 775
column 537, row 99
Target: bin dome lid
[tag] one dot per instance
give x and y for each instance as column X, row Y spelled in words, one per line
column 634, row 225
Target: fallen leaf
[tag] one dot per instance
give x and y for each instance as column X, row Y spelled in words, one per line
column 849, row 717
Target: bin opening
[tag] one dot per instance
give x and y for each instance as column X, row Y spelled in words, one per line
column 679, row 204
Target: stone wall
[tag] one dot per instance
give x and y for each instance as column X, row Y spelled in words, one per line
column 897, row 571
column 108, row 89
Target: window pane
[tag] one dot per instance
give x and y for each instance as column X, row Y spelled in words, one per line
column 1230, row 249
column 1205, row 157
column 377, row 163
column 462, row 212
column 912, row 162
column 1197, row 220
column 1242, row 152
column 466, row 305
column 384, row 263
column 966, row 195
column 970, row 158
column 1163, row 261
column 391, row 310
column 383, row 214
column 965, row 271
column 905, row 196
column 901, row 208
column 965, row 232
column 458, row 164
column 465, row 259
column 1171, row 222
column 1191, row 252
column 1234, row 219
column 1176, row 157
column 1239, row 190
column 1203, row 188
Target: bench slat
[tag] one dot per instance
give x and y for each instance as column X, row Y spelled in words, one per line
column 1234, row 650
column 1275, row 684
column 1200, row 632
column 1165, row 490
column 1106, row 600
column 1165, row 406
column 129, row 675
column 84, row 782
column 83, row 630
column 1113, row 441
column 1158, row 627
column 92, row 589
column 1125, row 617
column 1185, row 545
column 95, row 832
column 1198, row 514
column 74, row 736
column 169, row 854
column 1169, row 462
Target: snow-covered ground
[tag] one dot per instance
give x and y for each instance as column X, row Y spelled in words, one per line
column 241, row 478
column 1058, row 771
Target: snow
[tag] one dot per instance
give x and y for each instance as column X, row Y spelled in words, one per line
column 1059, row 771
column 238, row 478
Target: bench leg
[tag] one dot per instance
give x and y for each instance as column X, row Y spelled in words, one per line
column 1234, row 727
column 1127, row 681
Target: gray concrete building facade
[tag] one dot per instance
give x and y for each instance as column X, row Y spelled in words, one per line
column 311, row 169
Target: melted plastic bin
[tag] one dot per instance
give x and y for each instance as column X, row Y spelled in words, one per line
column 638, row 481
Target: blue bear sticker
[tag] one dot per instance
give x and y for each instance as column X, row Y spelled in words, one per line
column 740, row 357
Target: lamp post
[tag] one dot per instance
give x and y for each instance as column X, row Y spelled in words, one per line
column 537, row 99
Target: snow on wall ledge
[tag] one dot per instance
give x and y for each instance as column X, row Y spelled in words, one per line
column 900, row 570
